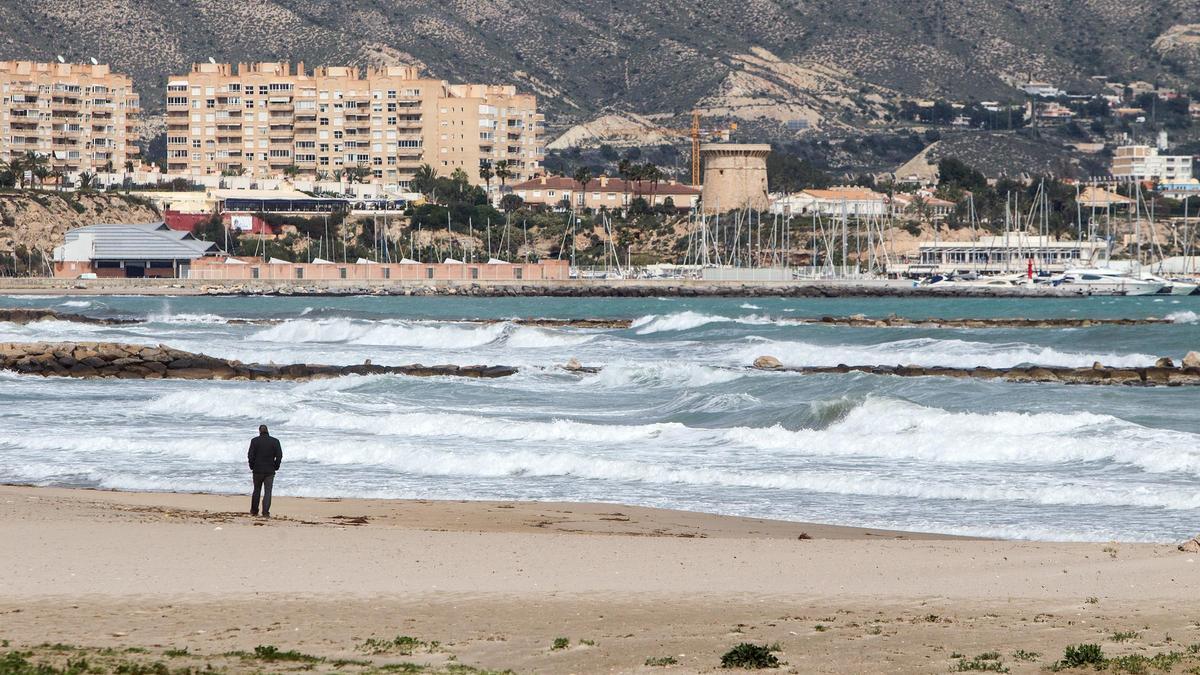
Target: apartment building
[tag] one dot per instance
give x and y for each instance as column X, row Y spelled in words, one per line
column 1143, row 162
column 273, row 119
column 82, row 117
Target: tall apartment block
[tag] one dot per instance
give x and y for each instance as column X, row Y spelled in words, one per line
column 270, row 119
column 83, row 117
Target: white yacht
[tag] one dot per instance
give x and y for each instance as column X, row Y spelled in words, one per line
column 1171, row 286
column 1101, row 281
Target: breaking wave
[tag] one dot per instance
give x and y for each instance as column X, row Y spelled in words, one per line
column 932, row 352
column 681, row 321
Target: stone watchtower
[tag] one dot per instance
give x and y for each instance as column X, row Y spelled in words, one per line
column 735, row 176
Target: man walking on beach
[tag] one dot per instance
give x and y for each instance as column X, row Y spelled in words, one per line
column 265, row 456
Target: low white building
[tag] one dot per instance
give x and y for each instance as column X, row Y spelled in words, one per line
column 838, row 201
column 998, row 254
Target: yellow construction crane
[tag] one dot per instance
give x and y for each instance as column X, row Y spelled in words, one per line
column 695, row 136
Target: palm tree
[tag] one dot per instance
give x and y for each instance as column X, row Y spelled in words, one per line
column 291, row 171
column 625, row 171
column 503, row 173
column 486, row 173
column 583, row 176
column 423, row 180
column 86, row 179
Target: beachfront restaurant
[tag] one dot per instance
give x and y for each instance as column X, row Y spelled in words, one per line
column 1000, row 254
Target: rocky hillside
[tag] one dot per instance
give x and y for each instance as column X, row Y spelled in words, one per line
column 830, row 62
column 37, row 221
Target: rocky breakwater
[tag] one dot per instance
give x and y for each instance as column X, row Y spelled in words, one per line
column 1164, row 373
column 144, row 362
column 894, row 321
column 23, row 316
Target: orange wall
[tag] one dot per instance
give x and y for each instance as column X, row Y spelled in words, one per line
column 545, row 270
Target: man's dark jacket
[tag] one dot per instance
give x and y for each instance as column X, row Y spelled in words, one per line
column 265, row 455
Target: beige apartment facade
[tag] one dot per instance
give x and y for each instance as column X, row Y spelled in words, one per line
column 273, row 119
column 81, row 117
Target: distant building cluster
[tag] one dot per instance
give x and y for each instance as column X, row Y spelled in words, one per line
column 272, row 120
column 79, row 117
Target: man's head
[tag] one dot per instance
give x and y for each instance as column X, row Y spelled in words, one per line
column 262, row 430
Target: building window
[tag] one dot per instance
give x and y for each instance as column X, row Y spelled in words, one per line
column 299, row 272
column 428, row 272
column 342, row 272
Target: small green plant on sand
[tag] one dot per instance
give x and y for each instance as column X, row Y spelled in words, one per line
column 588, row 643
column 987, row 662
column 749, row 656
column 1092, row 600
column 404, row 645
column 272, row 653
column 1077, row 656
column 661, row 661
column 1022, row 655
column 1122, row 636
column 560, row 643
column 176, row 652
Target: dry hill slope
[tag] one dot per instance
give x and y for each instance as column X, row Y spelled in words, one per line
column 820, row 57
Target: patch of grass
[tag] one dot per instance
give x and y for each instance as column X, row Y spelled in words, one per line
column 661, row 661
column 820, row 628
column 932, row 618
column 1092, row 600
column 401, row 668
column 750, row 657
column 1078, row 656
column 17, row 663
column 136, row 650
column 987, row 662
column 1138, row 663
column 588, row 643
column 342, row 663
column 560, row 643
column 1122, row 636
column 1022, row 655
column 271, row 654
column 460, row 669
column 131, row 668
column 404, row 645
column 874, row 630
column 176, row 652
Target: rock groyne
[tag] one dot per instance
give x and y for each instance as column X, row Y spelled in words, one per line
column 1164, row 373
column 129, row 361
column 23, row 316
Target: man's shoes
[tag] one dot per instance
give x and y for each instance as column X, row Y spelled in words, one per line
column 254, row 514
column 266, row 515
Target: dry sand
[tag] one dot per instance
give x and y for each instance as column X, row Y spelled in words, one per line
column 495, row 583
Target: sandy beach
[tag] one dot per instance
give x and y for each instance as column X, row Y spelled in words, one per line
column 491, row 586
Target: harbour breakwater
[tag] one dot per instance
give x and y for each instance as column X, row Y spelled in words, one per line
column 575, row 288
column 1164, row 373
column 26, row 316
column 132, row 361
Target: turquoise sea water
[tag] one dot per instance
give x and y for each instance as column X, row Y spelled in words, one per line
column 673, row 419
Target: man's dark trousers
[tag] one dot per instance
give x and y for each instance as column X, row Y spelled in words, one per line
column 262, row 485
